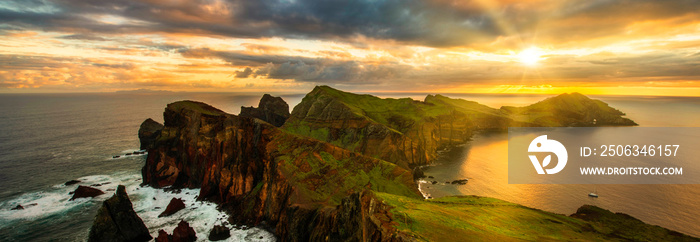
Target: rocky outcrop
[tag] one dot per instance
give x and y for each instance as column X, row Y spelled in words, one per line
column 409, row 133
column 85, row 191
column 162, row 236
column 626, row 227
column 569, row 110
column 71, row 182
column 318, row 177
column 182, row 233
column 117, row 221
column 271, row 109
column 260, row 173
column 360, row 216
column 219, row 232
column 402, row 131
column 148, row 132
column 175, row 205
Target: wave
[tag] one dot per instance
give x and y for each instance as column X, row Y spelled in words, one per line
column 148, row 203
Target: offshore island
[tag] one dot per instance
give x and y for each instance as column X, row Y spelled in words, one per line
column 344, row 166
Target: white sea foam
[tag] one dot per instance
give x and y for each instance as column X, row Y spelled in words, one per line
column 201, row 216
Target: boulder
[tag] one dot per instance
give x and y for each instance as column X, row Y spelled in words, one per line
column 85, row 191
column 163, row 236
column 148, row 132
column 19, row 207
column 273, row 110
column 182, row 233
column 117, row 221
column 460, row 182
column 176, row 204
column 71, row 182
column 219, row 232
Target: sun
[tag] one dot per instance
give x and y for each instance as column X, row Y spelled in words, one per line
column 530, row 56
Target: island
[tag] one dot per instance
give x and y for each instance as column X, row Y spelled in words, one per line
column 343, row 167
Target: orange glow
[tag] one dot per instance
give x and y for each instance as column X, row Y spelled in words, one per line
column 537, row 47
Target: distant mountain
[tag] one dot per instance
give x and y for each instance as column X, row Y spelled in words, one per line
column 143, row 90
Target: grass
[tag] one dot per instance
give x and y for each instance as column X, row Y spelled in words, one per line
column 326, row 174
column 480, row 218
column 196, row 106
column 458, row 218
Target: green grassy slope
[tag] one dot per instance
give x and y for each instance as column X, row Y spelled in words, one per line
column 490, row 219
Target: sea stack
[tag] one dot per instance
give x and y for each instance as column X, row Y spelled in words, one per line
column 117, row 221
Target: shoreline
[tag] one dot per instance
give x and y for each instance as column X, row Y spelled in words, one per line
column 567, row 201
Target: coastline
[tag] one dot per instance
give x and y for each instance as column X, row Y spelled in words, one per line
column 286, row 191
column 129, row 160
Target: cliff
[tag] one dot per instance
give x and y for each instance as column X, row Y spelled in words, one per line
column 572, row 109
column 409, row 133
column 271, row 109
column 259, row 172
column 403, row 131
column 340, row 168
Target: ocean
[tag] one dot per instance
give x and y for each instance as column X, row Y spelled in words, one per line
column 484, row 161
column 48, row 139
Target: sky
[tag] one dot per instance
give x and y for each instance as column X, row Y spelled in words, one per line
column 612, row 47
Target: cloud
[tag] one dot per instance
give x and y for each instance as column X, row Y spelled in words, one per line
column 304, row 69
column 244, row 73
column 390, row 43
column 410, row 21
column 432, row 23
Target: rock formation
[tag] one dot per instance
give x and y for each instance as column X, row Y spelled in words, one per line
column 409, row 133
column 271, row 109
column 620, row 225
column 85, row 191
column 569, row 109
column 182, row 233
column 261, row 173
column 117, row 221
column 175, row 205
column 148, row 132
column 341, row 167
column 219, row 232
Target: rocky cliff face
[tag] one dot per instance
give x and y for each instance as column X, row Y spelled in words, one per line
column 261, row 173
column 117, row 221
column 318, row 176
column 271, row 109
column 409, row 133
column 148, row 131
column 403, row 131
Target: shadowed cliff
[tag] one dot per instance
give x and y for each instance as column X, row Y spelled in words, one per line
column 258, row 172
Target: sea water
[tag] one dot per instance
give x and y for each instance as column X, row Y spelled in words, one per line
column 484, row 161
column 48, row 139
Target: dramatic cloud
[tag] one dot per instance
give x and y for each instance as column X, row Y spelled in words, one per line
column 382, row 44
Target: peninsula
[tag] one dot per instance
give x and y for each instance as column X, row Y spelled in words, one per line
column 342, row 166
